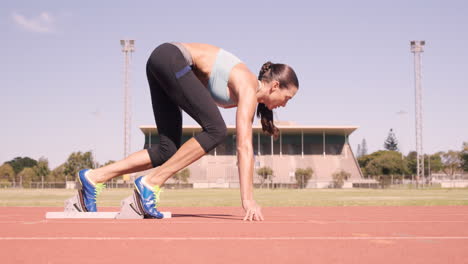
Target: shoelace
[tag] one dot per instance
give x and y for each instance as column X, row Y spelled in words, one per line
column 98, row 190
column 157, row 194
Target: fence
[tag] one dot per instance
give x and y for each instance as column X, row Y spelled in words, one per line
column 459, row 182
column 276, row 185
column 33, row 185
column 72, row 185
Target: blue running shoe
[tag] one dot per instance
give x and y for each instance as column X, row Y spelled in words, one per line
column 88, row 192
column 148, row 199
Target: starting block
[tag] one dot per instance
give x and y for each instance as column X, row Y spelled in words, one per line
column 130, row 208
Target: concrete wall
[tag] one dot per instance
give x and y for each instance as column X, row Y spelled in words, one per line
column 222, row 172
column 452, row 184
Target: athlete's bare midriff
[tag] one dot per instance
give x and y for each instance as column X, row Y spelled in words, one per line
column 203, row 57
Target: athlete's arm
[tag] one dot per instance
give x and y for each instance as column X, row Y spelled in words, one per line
column 247, row 103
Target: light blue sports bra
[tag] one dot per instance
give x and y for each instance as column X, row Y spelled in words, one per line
column 219, row 77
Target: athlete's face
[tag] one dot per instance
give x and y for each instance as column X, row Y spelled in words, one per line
column 278, row 96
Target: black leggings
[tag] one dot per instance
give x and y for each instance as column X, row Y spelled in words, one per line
column 173, row 87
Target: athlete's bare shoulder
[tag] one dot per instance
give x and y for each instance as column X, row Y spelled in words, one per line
column 241, row 74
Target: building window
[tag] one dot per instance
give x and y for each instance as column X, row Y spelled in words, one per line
column 291, row 144
column 313, row 144
column 228, row 147
column 334, row 144
column 265, row 144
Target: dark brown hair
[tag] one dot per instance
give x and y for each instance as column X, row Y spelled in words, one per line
column 286, row 76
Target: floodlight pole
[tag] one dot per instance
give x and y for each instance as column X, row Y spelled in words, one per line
column 417, row 49
column 128, row 46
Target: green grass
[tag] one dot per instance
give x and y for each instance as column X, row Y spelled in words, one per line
column 231, row 197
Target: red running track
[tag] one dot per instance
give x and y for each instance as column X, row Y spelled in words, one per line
column 437, row 234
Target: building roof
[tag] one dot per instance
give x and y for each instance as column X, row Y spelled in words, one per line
column 285, row 128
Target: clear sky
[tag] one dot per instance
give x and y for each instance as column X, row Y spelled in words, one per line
column 61, row 67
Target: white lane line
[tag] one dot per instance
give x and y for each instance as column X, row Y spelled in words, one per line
column 239, row 238
column 272, row 222
column 149, row 221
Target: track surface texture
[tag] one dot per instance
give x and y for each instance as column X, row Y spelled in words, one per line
column 409, row 234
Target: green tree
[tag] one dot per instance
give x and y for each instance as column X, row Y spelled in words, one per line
column 339, row 178
column 182, row 176
column 303, row 176
column 451, row 162
column 435, row 163
column 57, row 174
column 464, row 156
column 385, row 166
column 265, row 173
column 365, row 159
column 412, row 162
column 42, row 169
column 391, row 142
column 7, row 173
column 19, row 163
column 76, row 162
column 27, row 176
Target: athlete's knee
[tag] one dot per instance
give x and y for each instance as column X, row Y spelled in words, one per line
column 211, row 137
column 219, row 134
column 161, row 152
column 168, row 149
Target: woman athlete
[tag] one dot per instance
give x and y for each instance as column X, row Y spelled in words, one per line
column 196, row 78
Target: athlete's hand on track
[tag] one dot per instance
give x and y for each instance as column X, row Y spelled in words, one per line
column 252, row 210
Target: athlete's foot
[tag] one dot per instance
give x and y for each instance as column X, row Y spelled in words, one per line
column 89, row 191
column 94, row 177
column 149, row 198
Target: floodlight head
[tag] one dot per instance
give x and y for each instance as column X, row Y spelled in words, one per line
column 128, row 45
column 417, row 45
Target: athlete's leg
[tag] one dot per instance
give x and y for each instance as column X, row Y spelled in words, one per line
column 168, row 119
column 138, row 161
column 190, row 95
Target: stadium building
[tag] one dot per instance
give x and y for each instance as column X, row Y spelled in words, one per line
column 325, row 149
